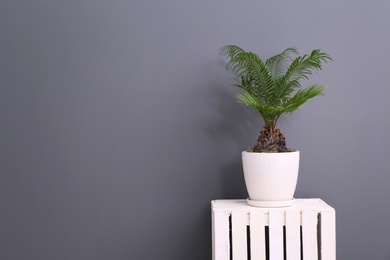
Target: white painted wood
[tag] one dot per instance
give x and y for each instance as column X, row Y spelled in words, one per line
column 300, row 204
column 257, row 220
column 276, row 221
column 328, row 235
column 221, row 244
column 293, row 235
column 239, row 236
column 309, row 234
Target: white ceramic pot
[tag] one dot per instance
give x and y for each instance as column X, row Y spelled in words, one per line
column 270, row 178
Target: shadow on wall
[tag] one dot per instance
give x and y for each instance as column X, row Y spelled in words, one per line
column 228, row 121
column 197, row 232
column 230, row 126
column 224, row 123
column 232, row 181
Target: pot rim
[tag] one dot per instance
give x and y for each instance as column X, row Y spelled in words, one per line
column 296, row 151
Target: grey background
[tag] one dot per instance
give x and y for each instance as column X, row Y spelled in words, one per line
column 118, row 125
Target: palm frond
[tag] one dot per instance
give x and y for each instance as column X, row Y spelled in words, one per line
column 269, row 113
column 286, row 88
column 249, row 66
column 247, row 85
column 278, row 64
column 255, row 71
column 269, row 86
column 300, row 68
column 302, row 96
column 230, row 51
column 303, row 66
column 248, row 99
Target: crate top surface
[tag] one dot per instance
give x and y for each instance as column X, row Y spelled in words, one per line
column 298, row 205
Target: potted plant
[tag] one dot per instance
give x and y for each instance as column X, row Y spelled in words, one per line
column 273, row 89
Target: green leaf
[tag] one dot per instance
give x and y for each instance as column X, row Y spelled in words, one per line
column 248, row 100
column 302, row 96
column 278, row 64
column 269, row 86
column 303, row 66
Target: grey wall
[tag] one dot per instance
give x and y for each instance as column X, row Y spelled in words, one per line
column 118, row 125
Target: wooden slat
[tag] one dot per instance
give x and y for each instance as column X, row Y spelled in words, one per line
column 239, row 237
column 309, row 234
column 258, row 218
column 276, row 219
column 221, row 244
column 293, row 235
column 328, row 235
column 257, row 234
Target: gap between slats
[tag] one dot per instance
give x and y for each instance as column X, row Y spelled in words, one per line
column 264, row 252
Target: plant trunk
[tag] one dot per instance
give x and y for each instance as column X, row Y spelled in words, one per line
column 271, row 140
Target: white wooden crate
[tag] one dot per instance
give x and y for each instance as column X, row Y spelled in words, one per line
column 305, row 231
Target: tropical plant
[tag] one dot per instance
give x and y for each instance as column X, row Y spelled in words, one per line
column 273, row 87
